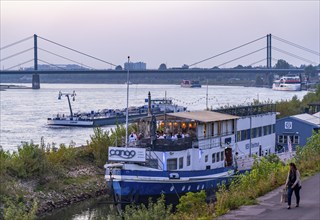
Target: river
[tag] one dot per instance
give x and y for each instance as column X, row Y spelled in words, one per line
column 24, row 112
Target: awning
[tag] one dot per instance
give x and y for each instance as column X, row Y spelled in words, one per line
column 203, row 116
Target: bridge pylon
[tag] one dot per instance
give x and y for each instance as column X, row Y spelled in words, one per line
column 35, row 76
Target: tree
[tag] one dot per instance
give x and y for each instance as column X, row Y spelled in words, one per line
column 282, row 64
column 118, row 67
column 185, row 66
column 310, row 70
column 259, row 80
column 162, row 66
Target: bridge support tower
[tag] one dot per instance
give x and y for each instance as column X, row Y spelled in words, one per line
column 269, row 76
column 35, row 76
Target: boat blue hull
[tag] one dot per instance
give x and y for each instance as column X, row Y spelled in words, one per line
column 135, row 191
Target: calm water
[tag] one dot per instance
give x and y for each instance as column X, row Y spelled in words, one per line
column 24, row 111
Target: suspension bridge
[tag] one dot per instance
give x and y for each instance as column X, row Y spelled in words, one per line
column 187, row 69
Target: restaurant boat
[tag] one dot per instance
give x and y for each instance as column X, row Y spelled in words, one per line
column 192, row 152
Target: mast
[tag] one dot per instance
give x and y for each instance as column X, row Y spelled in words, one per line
column 127, row 110
column 207, row 97
column 165, row 110
column 71, row 114
column 73, row 95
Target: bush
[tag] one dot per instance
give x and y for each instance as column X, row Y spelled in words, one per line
column 98, row 147
column 308, row 157
column 29, row 161
column 63, row 156
column 18, row 211
column 192, row 206
column 4, row 161
column 266, row 175
column 153, row 211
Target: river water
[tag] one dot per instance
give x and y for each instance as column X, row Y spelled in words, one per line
column 24, row 112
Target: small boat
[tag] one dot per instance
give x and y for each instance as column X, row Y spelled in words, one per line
column 287, row 83
column 111, row 116
column 173, row 165
column 190, row 84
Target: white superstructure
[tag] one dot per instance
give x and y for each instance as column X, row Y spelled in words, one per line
column 287, row 83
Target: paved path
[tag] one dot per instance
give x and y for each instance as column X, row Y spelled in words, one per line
column 270, row 208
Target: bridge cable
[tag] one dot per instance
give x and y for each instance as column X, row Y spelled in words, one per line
column 19, row 65
column 77, row 51
column 257, row 62
column 65, row 58
column 16, row 54
column 227, row 51
column 20, row 41
column 59, row 67
column 296, row 45
column 293, row 55
column 242, row 56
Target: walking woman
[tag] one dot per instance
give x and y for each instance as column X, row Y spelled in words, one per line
column 293, row 184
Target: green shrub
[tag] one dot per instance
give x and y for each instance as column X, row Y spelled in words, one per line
column 18, row 211
column 153, row 211
column 29, row 161
column 194, row 206
column 4, row 161
column 63, row 156
column 98, row 147
column 266, row 174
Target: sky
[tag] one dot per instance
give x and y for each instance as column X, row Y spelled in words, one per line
column 155, row 32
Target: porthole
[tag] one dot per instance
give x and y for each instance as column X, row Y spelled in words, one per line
column 172, row 188
column 183, row 188
column 189, row 187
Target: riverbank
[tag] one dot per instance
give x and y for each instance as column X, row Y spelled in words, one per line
column 39, row 179
column 53, row 192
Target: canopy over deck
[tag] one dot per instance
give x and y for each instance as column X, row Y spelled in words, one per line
column 201, row 116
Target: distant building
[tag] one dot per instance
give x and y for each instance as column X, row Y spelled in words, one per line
column 135, row 66
column 57, row 67
column 298, row 128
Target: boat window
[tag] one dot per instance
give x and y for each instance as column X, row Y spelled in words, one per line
column 296, row 139
column 188, row 160
column 213, row 158
column 206, row 158
column 180, row 162
column 212, row 129
column 172, row 164
column 222, row 155
column 280, row 138
column 218, row 157
column 219, row 127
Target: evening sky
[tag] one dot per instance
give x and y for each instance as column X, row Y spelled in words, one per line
column 155, row 32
